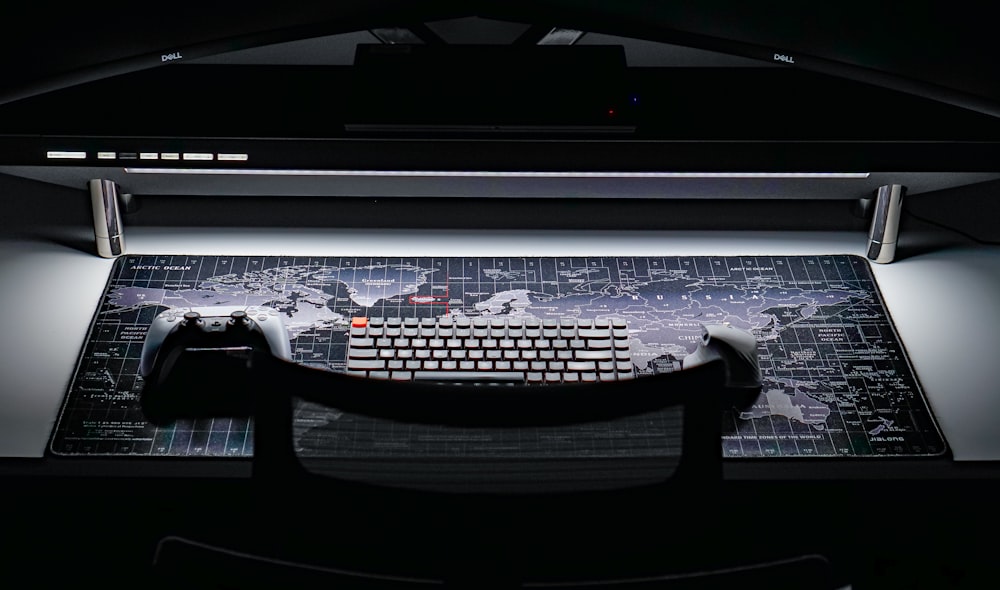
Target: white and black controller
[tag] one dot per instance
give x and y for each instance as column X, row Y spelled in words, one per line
column 195, row 360
column 216, row 325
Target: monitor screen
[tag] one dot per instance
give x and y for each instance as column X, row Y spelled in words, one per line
column 944, row 52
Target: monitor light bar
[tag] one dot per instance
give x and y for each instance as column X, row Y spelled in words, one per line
column 490, row 174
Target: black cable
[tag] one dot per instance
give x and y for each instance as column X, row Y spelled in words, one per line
column 950, row 228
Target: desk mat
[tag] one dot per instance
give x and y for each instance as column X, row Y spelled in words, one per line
column 837, row 381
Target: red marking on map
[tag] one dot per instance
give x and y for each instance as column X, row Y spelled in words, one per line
column 430, row 300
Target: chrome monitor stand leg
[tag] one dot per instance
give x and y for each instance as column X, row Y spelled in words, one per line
column 885, row 223
column 108, row 231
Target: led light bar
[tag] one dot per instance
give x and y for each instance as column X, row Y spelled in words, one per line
column 491, row 174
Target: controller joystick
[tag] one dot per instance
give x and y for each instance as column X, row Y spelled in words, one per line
column 190, row 321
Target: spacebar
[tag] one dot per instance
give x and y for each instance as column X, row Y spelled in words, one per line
column 470, row 376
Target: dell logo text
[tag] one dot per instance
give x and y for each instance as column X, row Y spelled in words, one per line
column 177, row 55
column 785, row 58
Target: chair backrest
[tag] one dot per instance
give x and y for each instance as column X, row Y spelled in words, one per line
column 498, row 515
column 314, row 425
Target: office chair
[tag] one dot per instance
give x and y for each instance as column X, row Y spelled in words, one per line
column 474, row 523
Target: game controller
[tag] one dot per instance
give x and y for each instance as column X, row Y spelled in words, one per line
column 217, row 325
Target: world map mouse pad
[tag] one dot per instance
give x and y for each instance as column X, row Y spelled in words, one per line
column 836, row 378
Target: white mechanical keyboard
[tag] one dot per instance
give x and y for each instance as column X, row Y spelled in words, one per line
column 501, row 349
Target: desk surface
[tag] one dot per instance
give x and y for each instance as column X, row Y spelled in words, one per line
column 943, row 301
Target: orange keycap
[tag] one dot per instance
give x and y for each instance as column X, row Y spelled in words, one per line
column 359, row 322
